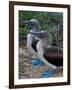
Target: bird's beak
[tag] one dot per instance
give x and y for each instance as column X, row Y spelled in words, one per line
column 37, row 34
column 26, row 22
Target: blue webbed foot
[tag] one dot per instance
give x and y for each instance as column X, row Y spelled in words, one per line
column 37, row 63
column 48, row 74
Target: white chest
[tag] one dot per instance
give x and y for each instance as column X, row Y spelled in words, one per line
column 30, row 38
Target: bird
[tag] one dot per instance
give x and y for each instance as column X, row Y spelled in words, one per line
column 34, row 26
column 50, row 55
column 39, row 43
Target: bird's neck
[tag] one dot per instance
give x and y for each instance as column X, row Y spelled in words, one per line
column 34, row 30
column 37, row 28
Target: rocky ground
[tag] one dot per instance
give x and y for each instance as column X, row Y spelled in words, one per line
column 26, row 69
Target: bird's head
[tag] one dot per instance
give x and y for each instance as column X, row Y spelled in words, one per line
column 33, row 23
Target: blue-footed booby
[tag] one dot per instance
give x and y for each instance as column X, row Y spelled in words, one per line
column 31, row 39
column 52, row 56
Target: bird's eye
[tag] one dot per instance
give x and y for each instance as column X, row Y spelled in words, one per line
column 32, row 23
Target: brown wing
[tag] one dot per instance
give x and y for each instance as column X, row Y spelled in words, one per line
column 54, row 56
